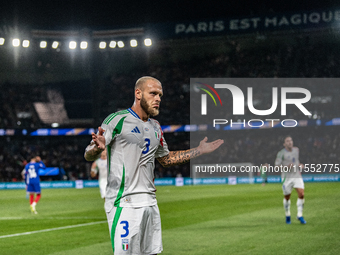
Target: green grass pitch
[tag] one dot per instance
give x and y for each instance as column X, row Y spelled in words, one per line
column 216, row 219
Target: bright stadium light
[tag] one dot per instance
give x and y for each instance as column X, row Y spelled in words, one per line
column 83, row 45
column 102, row 45
column 16, row 42
column 133, row 43
column 2, row 41
column 147, row 42
column 25, row 43
column 120, row 44
column 72, row 45
column 113, row 44
column 43, row 44
column 55, row 44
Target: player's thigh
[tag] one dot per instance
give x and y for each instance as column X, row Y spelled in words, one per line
column 102, row 191
column 37, row 188
column 110, row 210
column 30, row 188
column 134, row 230
column 287, row 186
column 33, row 188
column 128, row 231
column 102, row 188
column 298, row 183
column 151, row 241
column 124, row 227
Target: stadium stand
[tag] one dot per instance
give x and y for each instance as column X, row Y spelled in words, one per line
column 286, row 55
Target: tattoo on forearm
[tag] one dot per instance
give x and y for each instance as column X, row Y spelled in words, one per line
column 178, row 157
column 91, row 152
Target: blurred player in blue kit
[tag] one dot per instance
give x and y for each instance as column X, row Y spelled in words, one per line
column 32, row 180
column 133, row 141
column 289, row 157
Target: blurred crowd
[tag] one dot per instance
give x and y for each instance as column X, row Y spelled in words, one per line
column 16, row 105
column 318, row 145
column 63, row 152
column 276, row 57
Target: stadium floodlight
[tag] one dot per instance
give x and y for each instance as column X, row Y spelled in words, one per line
column 55, row 44
column 25, row 43
column 133, row 43
column 113, row 44
column 102, row 45
column 16, row 42
column 121, row 44
column 83, row 45
column 72, row 45
column 147, row 42
column 2, row 41
column 43, row 44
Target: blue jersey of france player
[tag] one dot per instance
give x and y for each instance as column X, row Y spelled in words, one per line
column 32, row 172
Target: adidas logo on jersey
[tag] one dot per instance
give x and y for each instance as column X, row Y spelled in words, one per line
column 135, row 130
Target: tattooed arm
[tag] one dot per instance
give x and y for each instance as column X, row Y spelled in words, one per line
column 97, row 145
column 182, row 157
column 178, row 157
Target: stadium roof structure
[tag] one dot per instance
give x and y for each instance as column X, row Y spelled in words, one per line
column 23, row 47
column 74, row 15
column 228, row 25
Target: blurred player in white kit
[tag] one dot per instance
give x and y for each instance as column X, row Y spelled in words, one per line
column 288, row 157
column 100, row 167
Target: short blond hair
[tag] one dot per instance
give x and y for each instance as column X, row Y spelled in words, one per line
column 141, row 81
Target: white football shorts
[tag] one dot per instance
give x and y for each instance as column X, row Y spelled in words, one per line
column 134, row 230
column 290, row 183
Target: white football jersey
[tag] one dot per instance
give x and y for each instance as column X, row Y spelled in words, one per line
column 101, row 168
column 285, row 158
column 132, row 146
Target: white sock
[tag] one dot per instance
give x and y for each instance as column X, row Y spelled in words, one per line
column 286, row 206
column 299, row 205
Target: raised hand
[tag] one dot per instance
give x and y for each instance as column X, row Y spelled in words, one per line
column 99, row 139
column 206, row 147
column 96, row 147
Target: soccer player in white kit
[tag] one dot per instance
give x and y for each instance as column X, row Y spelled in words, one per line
column 288, row 158
column 100, row 167
column 133, row 141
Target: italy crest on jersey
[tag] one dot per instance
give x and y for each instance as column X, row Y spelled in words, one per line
column 157, row 135
column 125, row 244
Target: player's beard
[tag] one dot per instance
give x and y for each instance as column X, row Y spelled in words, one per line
column 147, row 108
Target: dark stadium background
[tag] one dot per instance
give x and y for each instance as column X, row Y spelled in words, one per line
column 106, row 14
column 95, row 84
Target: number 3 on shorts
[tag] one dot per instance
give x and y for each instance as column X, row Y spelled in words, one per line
column 125, row 227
